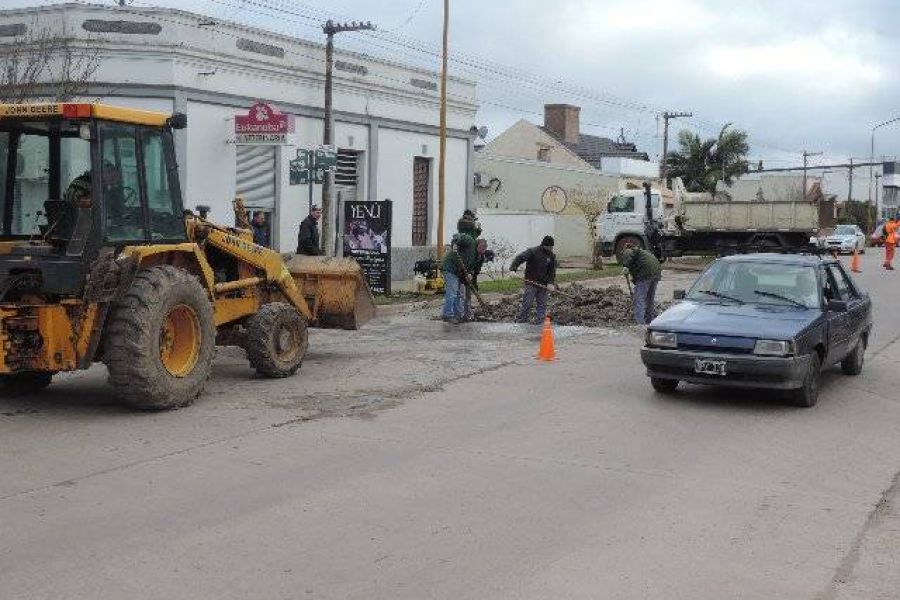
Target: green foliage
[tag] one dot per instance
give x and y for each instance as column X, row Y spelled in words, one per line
column 857, row 213
column 702, row 163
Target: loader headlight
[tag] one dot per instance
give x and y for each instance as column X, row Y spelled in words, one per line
column 773, row 348
column 661, row 339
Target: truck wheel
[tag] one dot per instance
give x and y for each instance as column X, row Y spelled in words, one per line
column 276, row 340
column 161, row 340
column 808, row 395
column 853, row 363
column 24, row 383
column 664, row 386
column 627, row 241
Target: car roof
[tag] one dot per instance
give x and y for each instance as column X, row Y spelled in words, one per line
column 806, row 260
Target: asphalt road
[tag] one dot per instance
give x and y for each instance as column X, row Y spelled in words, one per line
column 416, row 460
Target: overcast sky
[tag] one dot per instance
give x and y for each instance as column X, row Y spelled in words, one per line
column 797, row 74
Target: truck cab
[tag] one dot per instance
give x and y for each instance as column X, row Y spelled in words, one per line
column 624, row 222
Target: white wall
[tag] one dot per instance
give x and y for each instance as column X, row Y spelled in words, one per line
column 523, row 182
column 397, row 149
column 524, row 230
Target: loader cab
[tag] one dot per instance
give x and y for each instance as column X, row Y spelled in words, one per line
column 78, row 177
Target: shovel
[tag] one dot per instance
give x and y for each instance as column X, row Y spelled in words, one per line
column 628, row 283
column 550, row 289
column 468, row 281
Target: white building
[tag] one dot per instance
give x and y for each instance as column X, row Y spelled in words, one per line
column 386, row 114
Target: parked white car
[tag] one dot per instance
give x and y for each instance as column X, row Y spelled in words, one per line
column 846, row 239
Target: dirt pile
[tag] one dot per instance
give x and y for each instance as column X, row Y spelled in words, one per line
column 579, row 306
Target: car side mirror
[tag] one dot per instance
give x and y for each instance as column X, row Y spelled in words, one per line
column 678, row 295
column 838, row 306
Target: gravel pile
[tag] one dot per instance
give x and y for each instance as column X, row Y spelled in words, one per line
column 579, row 306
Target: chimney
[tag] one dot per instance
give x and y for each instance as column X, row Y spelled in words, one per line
column 562, row 121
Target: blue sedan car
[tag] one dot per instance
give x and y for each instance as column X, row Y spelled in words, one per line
column 764, row 321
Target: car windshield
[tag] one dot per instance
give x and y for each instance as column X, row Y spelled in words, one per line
column 758, row 283
column 845, row 230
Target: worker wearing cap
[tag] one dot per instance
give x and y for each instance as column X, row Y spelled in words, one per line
column 457, row 268
column 540, row 273
column 308, row 237
column 645, row 270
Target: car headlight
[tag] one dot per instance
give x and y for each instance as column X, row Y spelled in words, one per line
column 773, row 348
column 662, row 339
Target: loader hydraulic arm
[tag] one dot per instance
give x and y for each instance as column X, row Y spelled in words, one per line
column 270, row 262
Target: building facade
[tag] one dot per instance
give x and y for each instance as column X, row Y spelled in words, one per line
column 530, row 179
column 215, row 72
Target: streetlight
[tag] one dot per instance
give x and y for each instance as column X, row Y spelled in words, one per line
column 872, row 151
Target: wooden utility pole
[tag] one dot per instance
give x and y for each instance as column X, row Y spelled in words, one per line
column 664, row 163
column 442, row 157
column 329, row 216
column 850, row 182
column 805, row 156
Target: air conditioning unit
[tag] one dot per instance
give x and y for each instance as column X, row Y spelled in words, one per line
column 482, row 180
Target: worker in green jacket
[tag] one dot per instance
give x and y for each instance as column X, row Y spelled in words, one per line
column 645, row 271
column 458, row 262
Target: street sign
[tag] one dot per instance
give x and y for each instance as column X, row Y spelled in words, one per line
column 326, row 157
column 311, row 165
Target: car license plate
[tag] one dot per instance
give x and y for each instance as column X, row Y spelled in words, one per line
column 710, row 367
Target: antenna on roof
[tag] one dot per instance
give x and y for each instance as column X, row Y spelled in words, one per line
column 621, row 139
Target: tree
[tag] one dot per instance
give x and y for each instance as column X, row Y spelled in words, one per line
column 42, row 64
column 591, row 204
column 701, row 164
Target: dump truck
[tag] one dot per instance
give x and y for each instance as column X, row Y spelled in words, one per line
column 678, row 223
column 100, row 262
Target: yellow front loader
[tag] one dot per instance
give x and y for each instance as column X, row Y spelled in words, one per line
column 99, row 261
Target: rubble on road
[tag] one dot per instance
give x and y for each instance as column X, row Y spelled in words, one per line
column 587, row 307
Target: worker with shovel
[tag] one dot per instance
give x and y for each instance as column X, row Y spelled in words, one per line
column 646, row 271
column 456, row 266
column 540, row 274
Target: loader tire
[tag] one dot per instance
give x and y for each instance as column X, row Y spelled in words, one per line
column 24, row 383
column 276, row 340
column 161, row 340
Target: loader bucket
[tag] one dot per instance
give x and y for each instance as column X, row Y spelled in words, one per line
column 335, row 289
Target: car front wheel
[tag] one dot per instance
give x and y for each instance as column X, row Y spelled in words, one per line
column 808, row 395
column 853, row 363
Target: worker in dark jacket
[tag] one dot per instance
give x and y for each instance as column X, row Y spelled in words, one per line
column 260, row 229
column 540, row 273
column 458, row 264
column 308, row 238
column 646, row 271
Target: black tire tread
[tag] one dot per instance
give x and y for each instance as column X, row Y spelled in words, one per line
column 853, row 363
column 131, row 341
column 800, row 397
column 259, row 346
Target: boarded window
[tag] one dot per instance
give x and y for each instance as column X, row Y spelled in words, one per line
column 255, row 176
column 346, row 175
column 420, row 201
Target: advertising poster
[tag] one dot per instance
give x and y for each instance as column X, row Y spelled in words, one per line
column 367, row 238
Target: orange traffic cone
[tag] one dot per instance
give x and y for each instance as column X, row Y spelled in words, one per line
column 854, row 262
column 547, row 352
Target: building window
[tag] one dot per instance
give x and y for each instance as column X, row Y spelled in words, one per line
column 421, row 169
column 543, row 154
column 346, row 175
